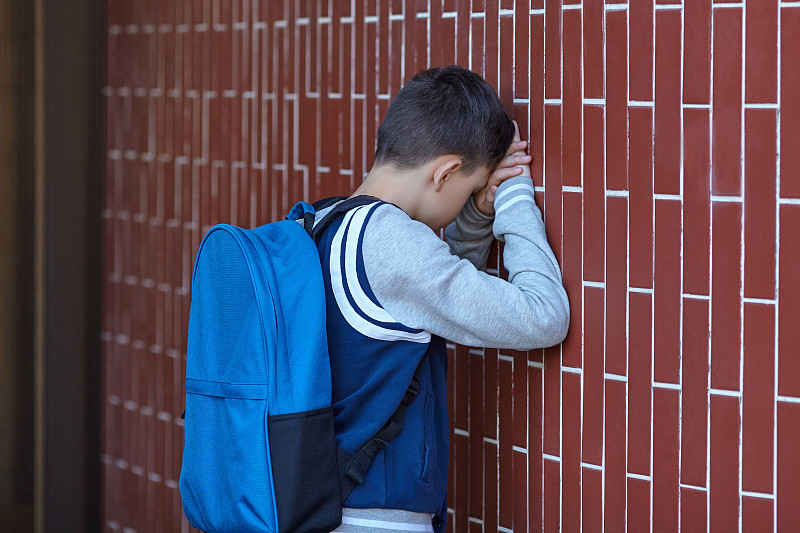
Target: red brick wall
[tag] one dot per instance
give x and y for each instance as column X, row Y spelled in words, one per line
column 659, row 131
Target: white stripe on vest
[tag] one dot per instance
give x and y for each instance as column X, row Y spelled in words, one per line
column 351, row 226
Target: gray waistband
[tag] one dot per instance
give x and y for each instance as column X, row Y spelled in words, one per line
column 384, row 521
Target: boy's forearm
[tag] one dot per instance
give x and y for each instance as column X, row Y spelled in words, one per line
column 470, row 235
column 527, row 255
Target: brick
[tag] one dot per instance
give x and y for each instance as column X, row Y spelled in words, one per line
column 552, row 57
column 552, row 191
column 536, row 146
column 697, row 52
column 437, row 39
column 396, row 77
column 724, row 466
column 410, row 30
column 666, row 292
column 492, row 45
column 640, row 198
column 593, row 376
column 759, row 203
column 519, row 422
column 667, row 102
column 477, row 36
column 160, row 518
column 694, row 409
column 592, row 502
column 220, row 62
column 519, row 112
column 665, row 459
column 571, row 452
column 463, row 370
column 535, row 462
column 789, row 305
column 520, row 491
column 638, row 511
column 758, row 397
column 789, row 467
column 131, row 497
column 336, row 29
column 757, row 514
column 521, row 53
column 615, row 461
column 617, row 100
column 641, row 45
column 694, row 510
column 476, row 423
column 639, row 390
column 726, row 174
column 552, row 498
column 573, row 100
column 490, row 376
column 552, row 406
column 291, row 47
column 422, row 45
column 383, row 58
column 725, row 299
column 696, row 201
column 464, row 479
column 359, row 171
column 490, row 482
column 370, row 128
column 572, row 348
column 761, row 51
column 790, row 104
column 506, row 63
column 306, row 147
column 594, row 194
column 593, row 12
column 505, row 485
column 452, row 362
column 616, row 285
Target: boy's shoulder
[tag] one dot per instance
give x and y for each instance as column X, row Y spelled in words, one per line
column 378, row 217
column 385, row 231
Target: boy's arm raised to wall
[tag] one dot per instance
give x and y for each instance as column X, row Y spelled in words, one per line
column 470, row 235
column 422, row 285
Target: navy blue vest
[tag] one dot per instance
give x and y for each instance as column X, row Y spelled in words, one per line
column 373, row 358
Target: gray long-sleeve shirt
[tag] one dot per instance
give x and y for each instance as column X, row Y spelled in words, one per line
column 426, row 283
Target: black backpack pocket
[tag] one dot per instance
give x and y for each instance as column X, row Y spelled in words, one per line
column 305, row 471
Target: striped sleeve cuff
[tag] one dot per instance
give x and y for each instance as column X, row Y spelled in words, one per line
column 513, row 191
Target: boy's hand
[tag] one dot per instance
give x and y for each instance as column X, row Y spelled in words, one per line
column 515, row 163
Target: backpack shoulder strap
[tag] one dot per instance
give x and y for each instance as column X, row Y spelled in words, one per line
column 342, row 207
column 353, row 468
column 319, row 205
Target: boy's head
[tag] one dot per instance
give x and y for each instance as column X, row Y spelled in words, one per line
column 446, row 110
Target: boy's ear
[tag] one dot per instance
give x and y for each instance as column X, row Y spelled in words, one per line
column 445, row 169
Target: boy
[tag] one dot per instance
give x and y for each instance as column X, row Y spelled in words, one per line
column 447, row 155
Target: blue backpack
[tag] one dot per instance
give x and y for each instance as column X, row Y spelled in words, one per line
column 260, row 453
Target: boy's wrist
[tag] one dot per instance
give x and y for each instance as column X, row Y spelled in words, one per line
column 527, row 188
column 475, row 214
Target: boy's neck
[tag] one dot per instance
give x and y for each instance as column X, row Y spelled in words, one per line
column 402, row 188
